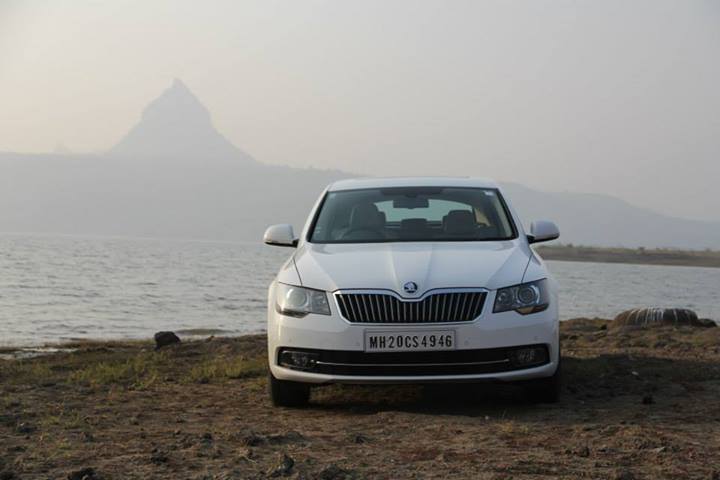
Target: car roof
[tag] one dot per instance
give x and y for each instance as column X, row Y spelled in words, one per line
column 389, row 182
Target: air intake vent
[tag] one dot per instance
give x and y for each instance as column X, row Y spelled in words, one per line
column 435, row 308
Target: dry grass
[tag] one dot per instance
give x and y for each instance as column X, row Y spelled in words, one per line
column 139, row 371
column 215, row 369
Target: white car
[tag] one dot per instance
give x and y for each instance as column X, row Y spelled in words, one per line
column 419, row 280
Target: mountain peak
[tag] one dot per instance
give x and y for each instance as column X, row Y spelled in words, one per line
column 177, row 83
column 177, row 105
column 177, row 126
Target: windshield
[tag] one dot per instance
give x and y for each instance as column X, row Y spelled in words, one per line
column 412, row 214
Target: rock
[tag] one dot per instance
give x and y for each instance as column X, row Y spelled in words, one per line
column 290, row 437
column 163, row 339
column 624, row 475
column 83, row 474
column 648, row 400
column 158, row 457
column 707, row 322
column 25, row 428
column 8, row 420
column 359, row 438
column 283, row 468
column 333, row 472
column 246, row 453
column 584, row 452
column 645, row 317
column 253, row 440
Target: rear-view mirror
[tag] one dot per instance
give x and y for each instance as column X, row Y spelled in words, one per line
column 411, row 202
column 543, row 231
column 281, row 235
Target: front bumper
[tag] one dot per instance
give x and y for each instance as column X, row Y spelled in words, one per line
column 481, row 354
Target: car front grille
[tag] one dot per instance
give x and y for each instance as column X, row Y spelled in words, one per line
column 435, row 308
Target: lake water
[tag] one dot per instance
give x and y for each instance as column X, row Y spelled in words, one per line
column 55, row 288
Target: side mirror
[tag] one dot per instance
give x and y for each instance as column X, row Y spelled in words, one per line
column 543, row 231
column 280, row 235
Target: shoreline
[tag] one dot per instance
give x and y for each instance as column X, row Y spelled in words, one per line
column 22, row 352
column 51, row 347
column 640, row 256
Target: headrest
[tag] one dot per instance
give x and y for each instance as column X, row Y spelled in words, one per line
column 413, row 224
column 459, row 222
column 365, row 215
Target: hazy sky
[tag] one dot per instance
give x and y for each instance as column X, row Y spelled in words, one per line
column 618, row 97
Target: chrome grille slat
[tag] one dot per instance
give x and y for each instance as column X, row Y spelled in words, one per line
column 441, row 307
column 463, row 310
column 470, row 303
column 474, row 301
column 366, row 310
column 343, row 306
column 356, row 305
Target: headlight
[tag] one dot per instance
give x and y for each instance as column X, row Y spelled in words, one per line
column 299, row 301
column 525, row 298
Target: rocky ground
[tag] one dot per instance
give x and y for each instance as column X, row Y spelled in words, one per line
column 638, row 403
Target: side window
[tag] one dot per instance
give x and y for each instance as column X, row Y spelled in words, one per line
column 500, row 220
column 480, row 217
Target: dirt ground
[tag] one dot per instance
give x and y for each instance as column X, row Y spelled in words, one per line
column 636, row 404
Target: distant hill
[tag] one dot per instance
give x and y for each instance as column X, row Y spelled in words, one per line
column 602, row 220
column 177, row 127
column 175, row 175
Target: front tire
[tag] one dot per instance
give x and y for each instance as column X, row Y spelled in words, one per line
column 288, row 394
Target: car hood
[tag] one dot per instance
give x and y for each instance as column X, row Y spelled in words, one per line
column 389, row 266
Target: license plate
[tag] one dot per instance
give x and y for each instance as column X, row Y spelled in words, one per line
column 409, row 341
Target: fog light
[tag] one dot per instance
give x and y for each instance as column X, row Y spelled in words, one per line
column 298, row 360
column 528, row 356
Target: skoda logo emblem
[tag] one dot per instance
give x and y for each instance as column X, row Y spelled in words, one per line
column 410, row 287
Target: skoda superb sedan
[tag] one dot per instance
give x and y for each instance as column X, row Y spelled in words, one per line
column 412, row 280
